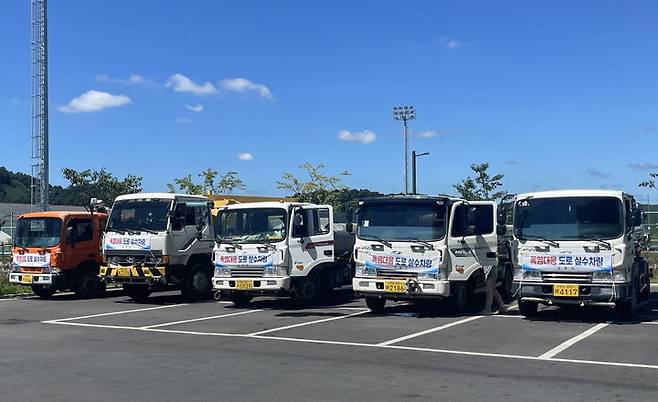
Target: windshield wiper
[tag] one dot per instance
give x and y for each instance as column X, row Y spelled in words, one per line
column 230, row 242
column 116, row 231
column 269, row 246
column 541, row 239
column 423, row 242
column 146, row 230
column 596, row 240
column 376, row 238
column 25, row 249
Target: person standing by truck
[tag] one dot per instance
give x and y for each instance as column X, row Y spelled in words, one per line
column 492, row 295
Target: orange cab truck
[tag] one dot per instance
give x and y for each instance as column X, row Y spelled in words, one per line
column 58, row 250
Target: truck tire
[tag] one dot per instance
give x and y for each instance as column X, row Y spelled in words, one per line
column 528, row 309
column 459, row 297
column 88, row 285
column 198, row 283
column 626, row 308
column 240, row 299
column 507, row 290
column 376, row 304
column 43, row 291
column 308, row 289
column 139, row 293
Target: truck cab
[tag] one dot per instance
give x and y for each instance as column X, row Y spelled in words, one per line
column 579, row 247
column 159, row 241
column 279, row 249
column 413, row 247
column 58, row 250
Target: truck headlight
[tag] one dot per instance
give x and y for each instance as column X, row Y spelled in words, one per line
column 274, row 270
column 431, row 275
column 616, row 275
column 222, row 271
column 364, row 270
column 518, row 274
column 531, row 275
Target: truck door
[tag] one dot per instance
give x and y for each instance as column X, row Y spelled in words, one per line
column 311, row 237
column 472, row 238
column 80, row 244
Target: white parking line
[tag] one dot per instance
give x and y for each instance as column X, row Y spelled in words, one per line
column 166, row 324
column 115, row 313
column 303, row 324
column 570, row 342
column 429, row 331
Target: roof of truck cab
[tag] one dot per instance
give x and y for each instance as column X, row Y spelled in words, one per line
column 572, row 193
column 160, row 196
column 407, row 198
column 58, row 214
column 264, row 204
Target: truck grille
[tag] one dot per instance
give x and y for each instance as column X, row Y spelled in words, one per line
column 571, row 277
column 247, row 272
column 395, row 273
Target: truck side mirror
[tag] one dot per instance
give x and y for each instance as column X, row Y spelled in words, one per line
column 298, row 226
column 637, row 217
column 349, row 227
column 70, row 235
column 501, row 230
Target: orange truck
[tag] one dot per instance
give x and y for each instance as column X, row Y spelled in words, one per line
column 58, row 250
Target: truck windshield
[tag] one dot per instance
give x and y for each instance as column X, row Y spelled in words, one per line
column 38, row 232
column 139, row 215
column 569, row 218
column 251, row 225
column 402, row 222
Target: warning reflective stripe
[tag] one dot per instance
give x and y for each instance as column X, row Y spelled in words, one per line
column 319, row 244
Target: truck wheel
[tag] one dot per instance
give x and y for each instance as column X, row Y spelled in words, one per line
column 198, row 283
column 139, row 293
column 43, row 291
column 375, row 304
column 626, row 309
column 88, row 285
column 240, row 299
column 459, row 299
column 507, row 290
column 308, row 289
column 528, row 309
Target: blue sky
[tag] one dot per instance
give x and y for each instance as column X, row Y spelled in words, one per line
column 557, row 94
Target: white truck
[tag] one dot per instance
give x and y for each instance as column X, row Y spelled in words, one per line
column 279, row 248
column 579, row 247
column 412, row 247
column 159, row 241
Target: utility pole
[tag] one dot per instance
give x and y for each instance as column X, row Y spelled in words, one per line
column 414, row 155
column 405, row 113
column 40, row 189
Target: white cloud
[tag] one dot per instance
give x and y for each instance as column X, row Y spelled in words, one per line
column 244, row 85
column 450, row 43
column 183, row 120
column 133, row 79
column 181, row 83
column 245, row 156
column 93, row 101
column 364, row 137
column 429, row 134
column 195, row 109
column 643, row 166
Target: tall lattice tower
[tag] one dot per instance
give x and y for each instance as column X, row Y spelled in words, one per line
column 40, row 186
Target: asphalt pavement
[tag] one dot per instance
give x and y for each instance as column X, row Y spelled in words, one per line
column 114, row 349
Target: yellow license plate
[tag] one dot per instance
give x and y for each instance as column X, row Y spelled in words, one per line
column 123, row 272
column 566, row 290
column 395, row 286
column 26, row 279
column 244, row 285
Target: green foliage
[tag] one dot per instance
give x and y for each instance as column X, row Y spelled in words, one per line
column 101, row 184
column 651, row 183
column 482, row 187
column 320, row 189
column 225, row 184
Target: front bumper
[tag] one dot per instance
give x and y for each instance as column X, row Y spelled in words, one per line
column 590, row 294
column 260, row 285
column 28, row 279
column 133, row 274
column 416, row 290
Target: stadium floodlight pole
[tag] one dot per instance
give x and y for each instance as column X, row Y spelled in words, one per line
column 405, row 113
column 414, row 155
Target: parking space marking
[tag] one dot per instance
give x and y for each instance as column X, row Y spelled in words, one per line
column 570, row 342
column 166, row 324
column 114, row 313
column 651, row 322
column 429, row 331
column 303, row 324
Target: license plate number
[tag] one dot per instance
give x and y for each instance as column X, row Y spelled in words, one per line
column 395, row 287
column 123, row 271
column 244, row 285
column 26, row 279
column 566, row 290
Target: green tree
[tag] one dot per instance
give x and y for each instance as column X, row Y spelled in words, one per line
column 651, row 182
column 319, row 189
column 101, row 184
column 211, row 184
column 482, row 186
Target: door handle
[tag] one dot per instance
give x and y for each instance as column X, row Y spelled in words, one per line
column 491, row 254
column 328, row 253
